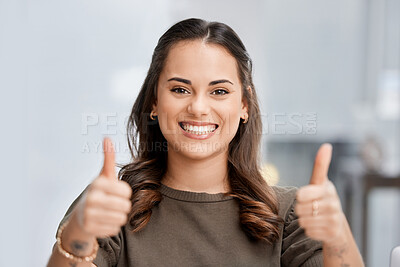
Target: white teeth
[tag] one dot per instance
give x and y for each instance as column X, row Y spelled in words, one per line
column 198, row 130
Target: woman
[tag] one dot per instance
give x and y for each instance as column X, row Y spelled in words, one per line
column 193, row 194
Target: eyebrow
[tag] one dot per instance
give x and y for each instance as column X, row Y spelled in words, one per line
column 220, row 81
column 190, row 83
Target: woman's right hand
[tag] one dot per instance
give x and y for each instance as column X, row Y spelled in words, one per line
column 100, row 212
column 105, row 205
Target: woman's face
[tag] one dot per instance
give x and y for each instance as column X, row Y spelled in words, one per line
column 199, row 99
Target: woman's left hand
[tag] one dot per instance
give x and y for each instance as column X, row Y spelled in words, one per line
column 318, row 205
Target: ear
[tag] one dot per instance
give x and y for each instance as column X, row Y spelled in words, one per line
column 154, row 100
column 154, row 108
column 245, row 105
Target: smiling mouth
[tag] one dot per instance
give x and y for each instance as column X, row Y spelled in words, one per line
column 198, row 130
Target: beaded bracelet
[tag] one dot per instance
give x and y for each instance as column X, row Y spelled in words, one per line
column 71, row 256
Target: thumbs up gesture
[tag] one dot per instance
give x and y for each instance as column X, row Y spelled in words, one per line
column 318, row 205
column 105, row 206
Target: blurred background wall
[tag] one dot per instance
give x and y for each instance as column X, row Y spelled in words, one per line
column 324, row 71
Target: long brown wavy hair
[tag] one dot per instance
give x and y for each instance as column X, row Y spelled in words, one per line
column 258, row 211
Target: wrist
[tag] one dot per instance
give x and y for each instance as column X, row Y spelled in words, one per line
column 74, row 229
column 78, row 249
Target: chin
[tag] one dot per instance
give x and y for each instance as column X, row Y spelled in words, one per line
column 198, row 151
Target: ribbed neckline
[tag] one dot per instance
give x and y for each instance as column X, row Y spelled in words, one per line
column 192, row 196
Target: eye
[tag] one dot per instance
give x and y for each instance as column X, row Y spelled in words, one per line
column 220, row 92
column 180, row 90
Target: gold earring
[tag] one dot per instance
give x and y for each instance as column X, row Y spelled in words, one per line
column 246, row 119
column 152, row 114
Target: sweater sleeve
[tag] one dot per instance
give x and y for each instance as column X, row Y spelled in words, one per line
column 109, row 251
column 109, row 248
column 297, row 248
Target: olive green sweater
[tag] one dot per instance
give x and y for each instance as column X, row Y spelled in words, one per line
column 201, row 229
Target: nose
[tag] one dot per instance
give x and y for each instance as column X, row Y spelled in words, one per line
column 199, row 105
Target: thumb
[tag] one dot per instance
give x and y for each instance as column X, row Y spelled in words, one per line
column 321, row 164
column 109, row 159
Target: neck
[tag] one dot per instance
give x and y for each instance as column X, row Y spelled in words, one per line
column 207, row 175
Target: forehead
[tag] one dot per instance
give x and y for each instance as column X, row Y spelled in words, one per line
column 198, row 60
